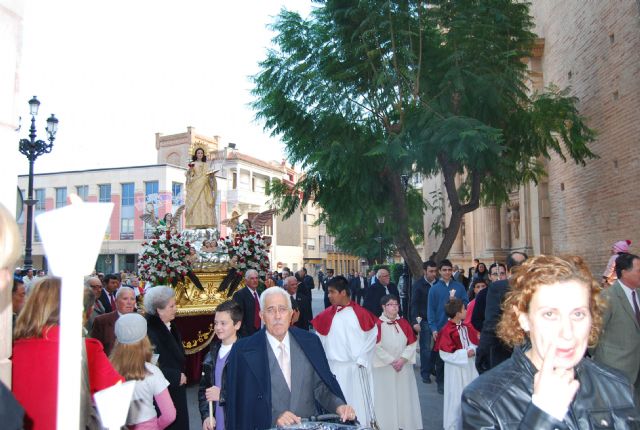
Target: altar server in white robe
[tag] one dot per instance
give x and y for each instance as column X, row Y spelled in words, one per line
column 456, row 343
column 397, row 404
column 348, row 333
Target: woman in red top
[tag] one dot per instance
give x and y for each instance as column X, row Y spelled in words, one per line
column 35, row 357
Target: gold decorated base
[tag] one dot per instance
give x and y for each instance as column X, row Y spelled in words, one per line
column 192, row 301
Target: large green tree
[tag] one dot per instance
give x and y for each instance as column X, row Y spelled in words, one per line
column 366, row 92
column 363, row 235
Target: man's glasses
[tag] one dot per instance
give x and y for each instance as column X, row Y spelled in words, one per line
column 272, row 310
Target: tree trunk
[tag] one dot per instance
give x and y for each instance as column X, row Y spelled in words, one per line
column 457, row 208
column 402, row 238
column 450, row 234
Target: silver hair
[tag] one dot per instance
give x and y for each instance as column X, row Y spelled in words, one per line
column 157, row 298
column 270, row 292
column 380, row 271
column 123, row 290
column 88, row 299
column 250, row 272
column 88, row 279
column 286, row 280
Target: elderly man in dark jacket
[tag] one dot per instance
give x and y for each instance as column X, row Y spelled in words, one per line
column 280, row 374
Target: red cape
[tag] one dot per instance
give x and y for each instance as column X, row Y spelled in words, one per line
column 322, row 322
column 404, row 326
column 448, row 339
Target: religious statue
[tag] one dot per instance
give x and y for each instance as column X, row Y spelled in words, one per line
column 169, row 219
column 209, row 246
column 201, row 192
column 513, row 218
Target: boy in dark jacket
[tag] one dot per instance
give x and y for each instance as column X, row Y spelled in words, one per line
column 227, row 322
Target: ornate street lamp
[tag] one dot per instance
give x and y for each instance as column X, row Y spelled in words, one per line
column 32, row 149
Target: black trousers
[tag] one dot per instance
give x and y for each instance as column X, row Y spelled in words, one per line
column 439, row 366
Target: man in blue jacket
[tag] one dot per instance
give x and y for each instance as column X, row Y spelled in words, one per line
column 280, row 374
column 441, row 292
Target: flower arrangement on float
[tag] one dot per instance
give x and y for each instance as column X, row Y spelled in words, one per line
column 162, row 259
column 248, row 248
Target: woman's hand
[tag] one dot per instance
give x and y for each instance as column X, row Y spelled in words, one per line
column 212, row 394
column 398, row 364
column 554, row 387
column 183, row 379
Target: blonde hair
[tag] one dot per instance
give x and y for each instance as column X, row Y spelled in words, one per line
column 41, row 310
column 546, row 270
column 129, row 358
column 10, row 239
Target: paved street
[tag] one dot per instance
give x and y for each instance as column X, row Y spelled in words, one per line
column 430, row 400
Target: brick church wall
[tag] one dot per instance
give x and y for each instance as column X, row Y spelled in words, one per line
column 594, row 47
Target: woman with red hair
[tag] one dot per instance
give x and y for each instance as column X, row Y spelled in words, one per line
column 552, row 312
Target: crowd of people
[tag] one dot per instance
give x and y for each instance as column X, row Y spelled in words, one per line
column 532, row 343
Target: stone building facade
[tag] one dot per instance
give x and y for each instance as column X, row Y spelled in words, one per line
column 594, row 48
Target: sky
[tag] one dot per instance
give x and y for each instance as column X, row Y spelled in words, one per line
column 117, row 72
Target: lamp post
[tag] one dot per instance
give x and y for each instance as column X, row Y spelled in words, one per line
column 32, row 149
column 380, row 224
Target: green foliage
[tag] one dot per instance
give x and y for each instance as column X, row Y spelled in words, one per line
column 365, row 91
column 435, row 205
column 396, row 272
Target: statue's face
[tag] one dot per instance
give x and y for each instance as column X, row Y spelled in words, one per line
column 199, row 154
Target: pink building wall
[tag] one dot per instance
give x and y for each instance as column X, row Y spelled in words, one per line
column 138, row 210
column 115, row 217
column 164, row 203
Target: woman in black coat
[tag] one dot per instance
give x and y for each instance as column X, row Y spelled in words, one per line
column 551, row 313
column 160, row 305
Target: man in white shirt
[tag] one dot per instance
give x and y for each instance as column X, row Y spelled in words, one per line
column 28, row 280
column 279, row 374
column 359, row 285
column 104, row 325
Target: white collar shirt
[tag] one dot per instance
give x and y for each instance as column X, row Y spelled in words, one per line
column 274, row 343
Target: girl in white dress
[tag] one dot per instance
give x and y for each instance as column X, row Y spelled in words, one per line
column 397, row 405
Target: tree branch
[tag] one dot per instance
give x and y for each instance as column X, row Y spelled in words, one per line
column 396, row 68
column 474, row 199
column 416, row 87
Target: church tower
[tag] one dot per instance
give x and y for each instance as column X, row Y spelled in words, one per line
column 177, row 149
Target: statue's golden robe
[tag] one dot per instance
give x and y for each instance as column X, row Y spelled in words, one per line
column 200, row 198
